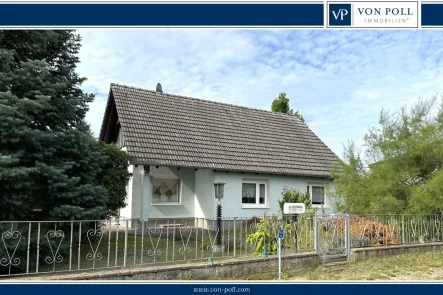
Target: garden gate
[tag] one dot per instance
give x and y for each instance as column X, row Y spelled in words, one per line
column 332, row 236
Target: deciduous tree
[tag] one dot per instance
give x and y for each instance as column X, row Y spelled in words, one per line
column 402, row 170
column 281, row 105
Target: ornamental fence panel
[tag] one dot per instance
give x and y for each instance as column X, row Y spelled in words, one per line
column 34, row 247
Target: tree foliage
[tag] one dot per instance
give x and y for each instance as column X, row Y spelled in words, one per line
column 281, row 105
column 291, row 195
column 402, row 170
column 49, row 161
column 114, row 176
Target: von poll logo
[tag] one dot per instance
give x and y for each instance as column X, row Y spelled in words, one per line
column 376, row 14
column 340, row 14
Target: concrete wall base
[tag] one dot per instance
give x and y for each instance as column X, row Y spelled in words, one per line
column 229, row 269
column 240, row 268
column 382, row 251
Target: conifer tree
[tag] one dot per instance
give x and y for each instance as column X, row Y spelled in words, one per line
column 49, row 160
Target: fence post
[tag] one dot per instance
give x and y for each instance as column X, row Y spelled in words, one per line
column 79, row 244
column 29, row 243
column 441, row 227
column 348, row 238
column 235, row 236
column 279, row 256
column 70, row 245
column 38, row 247
column 315, row 234
column 126, row 244
column 402, row 229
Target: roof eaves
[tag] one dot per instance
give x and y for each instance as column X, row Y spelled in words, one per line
column 135, row 161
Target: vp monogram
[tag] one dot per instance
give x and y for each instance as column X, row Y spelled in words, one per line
column 340, row 14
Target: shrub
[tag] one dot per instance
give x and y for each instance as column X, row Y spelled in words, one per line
column 292, row 195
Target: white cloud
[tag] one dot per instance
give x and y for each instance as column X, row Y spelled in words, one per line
column 95, row 115
column 339, row 80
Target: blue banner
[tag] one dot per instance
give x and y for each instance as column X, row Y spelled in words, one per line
column 432, row 15
column 197, row 15
column 223, row 288
column 162, row 15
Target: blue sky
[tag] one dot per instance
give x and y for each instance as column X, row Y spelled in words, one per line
column 338, row 80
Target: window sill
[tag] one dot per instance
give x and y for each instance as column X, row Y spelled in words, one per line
column 255, row 207
column 165, row 204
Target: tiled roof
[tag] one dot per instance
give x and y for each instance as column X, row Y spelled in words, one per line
column 171, row 130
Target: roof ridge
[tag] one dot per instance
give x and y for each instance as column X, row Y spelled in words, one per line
column 209, row 101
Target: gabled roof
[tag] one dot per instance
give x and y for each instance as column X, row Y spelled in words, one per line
column 171, row 130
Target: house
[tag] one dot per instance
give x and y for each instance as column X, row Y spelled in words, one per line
column 181, row 146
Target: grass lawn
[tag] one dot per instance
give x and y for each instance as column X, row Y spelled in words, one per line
column 158, row 250
column 414, row 266
column 107, row 251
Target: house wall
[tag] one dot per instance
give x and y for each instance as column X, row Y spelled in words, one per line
column 204, row 193
column 137, row 191
column 127, row 211
column 197, row 193
column 232, row 201
column 186, row 208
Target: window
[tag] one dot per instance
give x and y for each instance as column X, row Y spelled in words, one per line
column 165, row 190
column 317, row 194
column 254, row 193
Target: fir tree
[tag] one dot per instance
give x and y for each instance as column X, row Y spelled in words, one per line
column 48, row 159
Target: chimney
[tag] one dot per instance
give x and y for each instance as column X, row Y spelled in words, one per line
column 159, row 88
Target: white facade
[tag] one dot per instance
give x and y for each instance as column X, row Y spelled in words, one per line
column 195, row 192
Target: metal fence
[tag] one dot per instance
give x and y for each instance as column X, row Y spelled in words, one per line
column 332, row 235
column 379, row 230
column 337, row 234
column 30, row 247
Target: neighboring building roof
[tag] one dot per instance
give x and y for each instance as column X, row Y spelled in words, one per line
column 171, row 130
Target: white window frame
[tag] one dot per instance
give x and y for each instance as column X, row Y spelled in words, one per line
column 180, row 190
column 257, row 182
column 324, row 196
